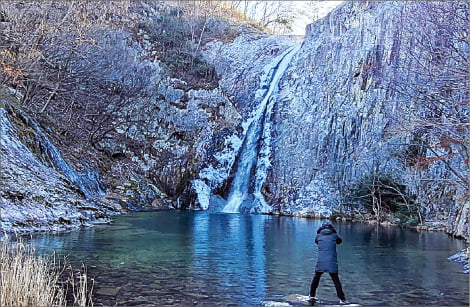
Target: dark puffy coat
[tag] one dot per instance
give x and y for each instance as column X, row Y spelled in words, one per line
column 327, row 259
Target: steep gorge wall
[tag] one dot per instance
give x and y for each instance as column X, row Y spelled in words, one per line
column 144, row 131
column 351, row 108
column 340, row 117
column 40, row 191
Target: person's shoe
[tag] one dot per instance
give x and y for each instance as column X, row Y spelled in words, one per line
column 313, row 298
column 343, row 302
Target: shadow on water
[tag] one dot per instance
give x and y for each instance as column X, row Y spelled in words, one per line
column 197, row 258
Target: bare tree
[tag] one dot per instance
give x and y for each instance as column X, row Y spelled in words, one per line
column 432, row 75
column 68, row 60
column 274, row 15
column 32, row 32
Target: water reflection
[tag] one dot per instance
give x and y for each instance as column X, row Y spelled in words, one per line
column 229, row 254
column 377, row 261
column 197, row 258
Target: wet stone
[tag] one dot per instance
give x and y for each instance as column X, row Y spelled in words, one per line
column 149, row 292
column 155, row 285
column 199, row 296
column 116, row 274
column 109, row 291
column 136, row 303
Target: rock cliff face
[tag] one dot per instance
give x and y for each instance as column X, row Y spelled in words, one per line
column 40, row 191
column 351, row 107
column 343, row 114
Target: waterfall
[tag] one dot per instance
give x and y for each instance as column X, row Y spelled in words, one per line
column 253, row 157
column 87, row 181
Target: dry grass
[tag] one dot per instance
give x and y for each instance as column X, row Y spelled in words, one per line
column 27, row 279
column 81, row 290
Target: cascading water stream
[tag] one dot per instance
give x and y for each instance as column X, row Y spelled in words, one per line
column 250, row 170
column 87, row 181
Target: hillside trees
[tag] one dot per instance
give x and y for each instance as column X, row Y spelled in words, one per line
column 67, row 61
column 35, row 36
column 437, row 59
column 431, row 56
column 176, row 36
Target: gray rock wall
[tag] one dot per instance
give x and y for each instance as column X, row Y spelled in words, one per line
column 340, row 117
column 40, row 191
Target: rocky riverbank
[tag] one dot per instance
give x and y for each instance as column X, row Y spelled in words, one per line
column 461, row 257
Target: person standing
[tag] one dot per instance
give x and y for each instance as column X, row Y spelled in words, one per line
column 327, row 261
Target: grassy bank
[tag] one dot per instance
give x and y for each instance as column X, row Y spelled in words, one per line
column 30, row 280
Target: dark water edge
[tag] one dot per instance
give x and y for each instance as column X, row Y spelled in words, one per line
column 199, row 258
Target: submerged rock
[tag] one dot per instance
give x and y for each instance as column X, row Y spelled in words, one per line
column 108, row 291
column 461, row 257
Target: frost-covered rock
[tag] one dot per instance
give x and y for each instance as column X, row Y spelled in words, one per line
column 339, row 116
column 246, row 67
column 240, row 64
column 461, row 257
column 40, row 191
column 336, row 117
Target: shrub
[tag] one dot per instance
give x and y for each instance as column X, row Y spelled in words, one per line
column 176, row 37
column 382, row 195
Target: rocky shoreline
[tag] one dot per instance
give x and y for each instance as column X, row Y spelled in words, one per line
column 461, row 257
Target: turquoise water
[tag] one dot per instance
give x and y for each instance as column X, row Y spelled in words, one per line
column 199, row 258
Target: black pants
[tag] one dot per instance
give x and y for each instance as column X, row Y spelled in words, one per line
column 334, row 277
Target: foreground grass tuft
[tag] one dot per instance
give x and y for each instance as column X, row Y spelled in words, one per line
column 27, row 279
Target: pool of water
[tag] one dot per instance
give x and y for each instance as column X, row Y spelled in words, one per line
column 200, row 258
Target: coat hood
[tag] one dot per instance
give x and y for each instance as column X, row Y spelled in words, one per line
column 326, row 231
column 326, row 225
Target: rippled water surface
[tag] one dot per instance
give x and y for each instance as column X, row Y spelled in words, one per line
column 198, row 258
